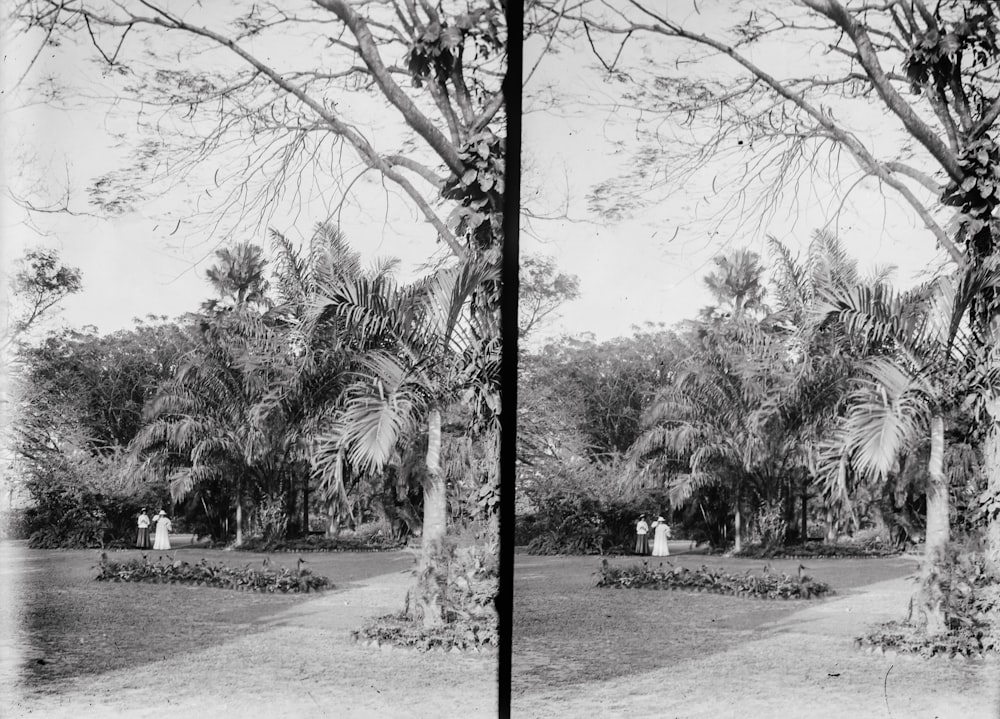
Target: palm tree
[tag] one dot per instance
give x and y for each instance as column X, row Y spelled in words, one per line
column 927, row 363
column 822, row 358
column 203, row 430
column 738, row 282
column 238, row 277
column 719, row 413
column 323, row 355
column 207, row 428
column 427, row 349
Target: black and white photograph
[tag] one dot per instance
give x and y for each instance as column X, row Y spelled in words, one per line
column 756, row 439
column 483, row 358
column 251, row 353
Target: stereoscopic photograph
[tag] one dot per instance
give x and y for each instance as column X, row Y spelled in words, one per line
column 420, row 358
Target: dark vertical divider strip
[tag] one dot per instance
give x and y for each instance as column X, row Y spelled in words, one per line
column 508, row 325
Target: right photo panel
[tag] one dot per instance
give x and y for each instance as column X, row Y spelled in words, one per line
column 758, row 449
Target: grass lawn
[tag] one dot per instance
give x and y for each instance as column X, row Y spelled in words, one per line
column 640, row 652
column 63, row 624
column 568, row 631
column 72, row 647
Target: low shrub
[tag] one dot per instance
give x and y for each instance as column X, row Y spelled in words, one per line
column 83, row 503
column 316, row 543
column 716, row 581
column 247, row 578
column 819, row 550
column 14, row 524
column 557, row 542
column 967, row 641
column 465, row 633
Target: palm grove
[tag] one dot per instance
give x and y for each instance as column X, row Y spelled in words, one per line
column 837, row 399
column 309, row 376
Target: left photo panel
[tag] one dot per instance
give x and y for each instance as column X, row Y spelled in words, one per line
column 250, row 394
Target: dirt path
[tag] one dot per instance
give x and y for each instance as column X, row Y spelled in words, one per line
column 303, row 664
column 805, row 665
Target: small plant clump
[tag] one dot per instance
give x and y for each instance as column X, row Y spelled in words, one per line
column 470, row 616
column 247, row 578
column 716, row 581
column 969, row 597
column 971, row 642
column 819, row 550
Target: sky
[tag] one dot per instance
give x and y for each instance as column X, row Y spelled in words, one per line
column 647, row 267
column 578, row 132
column 151, row 259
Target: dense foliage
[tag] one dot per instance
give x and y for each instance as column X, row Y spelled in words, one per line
column 716, row 581
column 203, row 574
column 579, row 510
column 81, row 401
column 822, row 405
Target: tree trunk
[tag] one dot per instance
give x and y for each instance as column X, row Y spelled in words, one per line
column 805, row 509
column 493, row 479
column 288, row 482
column 239, row 511
column 830, row 520
column 426, row 601
column 737, row 525
column 938, row 528
column 929, row 599
column 788, row 487
column 305, row 504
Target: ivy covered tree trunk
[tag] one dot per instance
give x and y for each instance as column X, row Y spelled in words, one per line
column 929, row 599
column 491, row 494
column 426, row 602
column 991, row 452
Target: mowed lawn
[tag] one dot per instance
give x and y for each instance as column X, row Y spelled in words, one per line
column 60, row 623
column 566, row 631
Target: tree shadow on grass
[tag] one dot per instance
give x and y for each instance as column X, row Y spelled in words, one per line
column 567, row 631
column 67, row 624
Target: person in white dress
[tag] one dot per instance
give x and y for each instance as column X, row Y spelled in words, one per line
column 661, row 533
column 162, row 531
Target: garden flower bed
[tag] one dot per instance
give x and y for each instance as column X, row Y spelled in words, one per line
column 819, row 550
column 322, row 544
column 263, row 579
column 717, row 581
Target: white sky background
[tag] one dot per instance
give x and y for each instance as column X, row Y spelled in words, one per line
column 144, row 262
column 648, row 267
